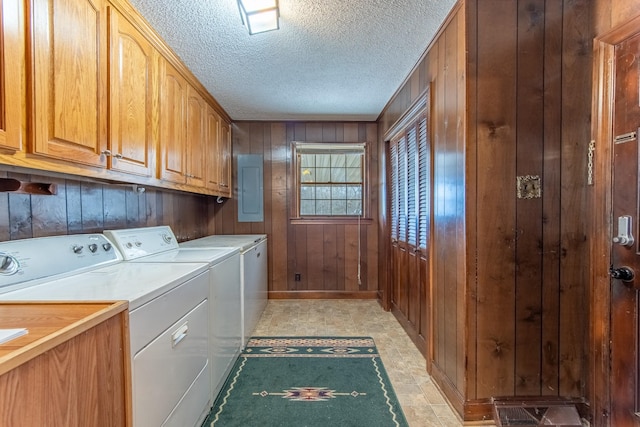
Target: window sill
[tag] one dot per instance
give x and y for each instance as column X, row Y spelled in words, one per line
column 330, row 220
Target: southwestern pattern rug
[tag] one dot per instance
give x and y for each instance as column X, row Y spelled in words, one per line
column 307, row 382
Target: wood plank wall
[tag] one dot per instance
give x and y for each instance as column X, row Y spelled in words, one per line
column 325, row 255
column 88, row 207
column 509, row 275
column 443, row 69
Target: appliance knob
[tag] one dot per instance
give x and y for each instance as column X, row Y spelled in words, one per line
column 93, row 248
column 129, row 245
column 106, row 246
column 167, row 238
column 138, row 244
column 77, row 249
column 8, row 265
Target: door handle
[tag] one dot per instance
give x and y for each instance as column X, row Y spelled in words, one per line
column 623, row 273
column 624, row 237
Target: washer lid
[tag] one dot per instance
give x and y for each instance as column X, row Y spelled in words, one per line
column 137, row 283
column 210, row 256
column 242, row 241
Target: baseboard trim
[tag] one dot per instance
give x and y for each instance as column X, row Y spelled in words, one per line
column 456, row 401
column 410, row 329
column 472, row 412
column 323, row 294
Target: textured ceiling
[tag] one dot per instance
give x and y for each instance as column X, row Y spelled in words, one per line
column 330, row 59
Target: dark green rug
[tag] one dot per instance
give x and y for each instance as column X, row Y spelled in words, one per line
column 307, row 382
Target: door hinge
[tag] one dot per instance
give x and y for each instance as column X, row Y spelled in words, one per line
column 590, row 154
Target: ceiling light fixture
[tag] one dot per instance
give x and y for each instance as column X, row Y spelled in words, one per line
column 259, row 15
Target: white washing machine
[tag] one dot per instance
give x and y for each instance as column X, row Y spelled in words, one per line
column 159, row 244
column 168, row 319
column 253, row 276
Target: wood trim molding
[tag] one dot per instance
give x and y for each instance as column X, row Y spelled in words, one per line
column 138, row 21
column 323, row 295
column 452, row 14
column 305, row 147
column 411, row 331
column 447, row 389
column 330, row 220
column 479, row 411
column 421, row 103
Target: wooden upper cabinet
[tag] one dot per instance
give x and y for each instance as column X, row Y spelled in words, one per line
column 69, row 67
column 173, row 115
column 11, row 74
column 131, row 63
column 225, row 159
column 213, row 154
column 196, row 138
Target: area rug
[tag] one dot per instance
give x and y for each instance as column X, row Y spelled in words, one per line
column 307, row 382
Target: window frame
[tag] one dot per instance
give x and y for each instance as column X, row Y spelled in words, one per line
column 417, row 119
column 322, row 147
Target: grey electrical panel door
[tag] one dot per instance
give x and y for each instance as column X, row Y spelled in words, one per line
column 250, row 188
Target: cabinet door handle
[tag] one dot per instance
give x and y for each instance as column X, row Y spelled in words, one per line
column 107, row 153
column 179, row 334
column 118, row 156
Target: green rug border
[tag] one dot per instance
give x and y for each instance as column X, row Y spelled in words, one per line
column 392, row 398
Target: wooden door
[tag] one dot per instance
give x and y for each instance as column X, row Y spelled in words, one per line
column 410, row 162
column 400, row 273
column 11, row 74
column 173, row 120
column 69, row 75
column 131, row 62
column 625, row 327
column 196, row 139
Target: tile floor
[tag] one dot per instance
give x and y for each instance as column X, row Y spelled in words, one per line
column 422, row 403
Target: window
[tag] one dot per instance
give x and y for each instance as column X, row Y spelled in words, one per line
column 410, row 169
column 330, row 179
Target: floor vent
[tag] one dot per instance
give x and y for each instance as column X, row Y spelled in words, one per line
column 532, row 413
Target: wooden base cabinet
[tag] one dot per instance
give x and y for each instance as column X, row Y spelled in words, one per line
column 80, row 374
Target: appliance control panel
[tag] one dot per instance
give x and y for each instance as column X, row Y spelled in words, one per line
column 136, row 243
column 46, row 257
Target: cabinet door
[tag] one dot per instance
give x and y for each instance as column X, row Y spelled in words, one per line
column 11, row 74
column 225, row 159
column 173, row 118
column 196, row 138
column 131, row 143
column 69, row 77
column 213, row 149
